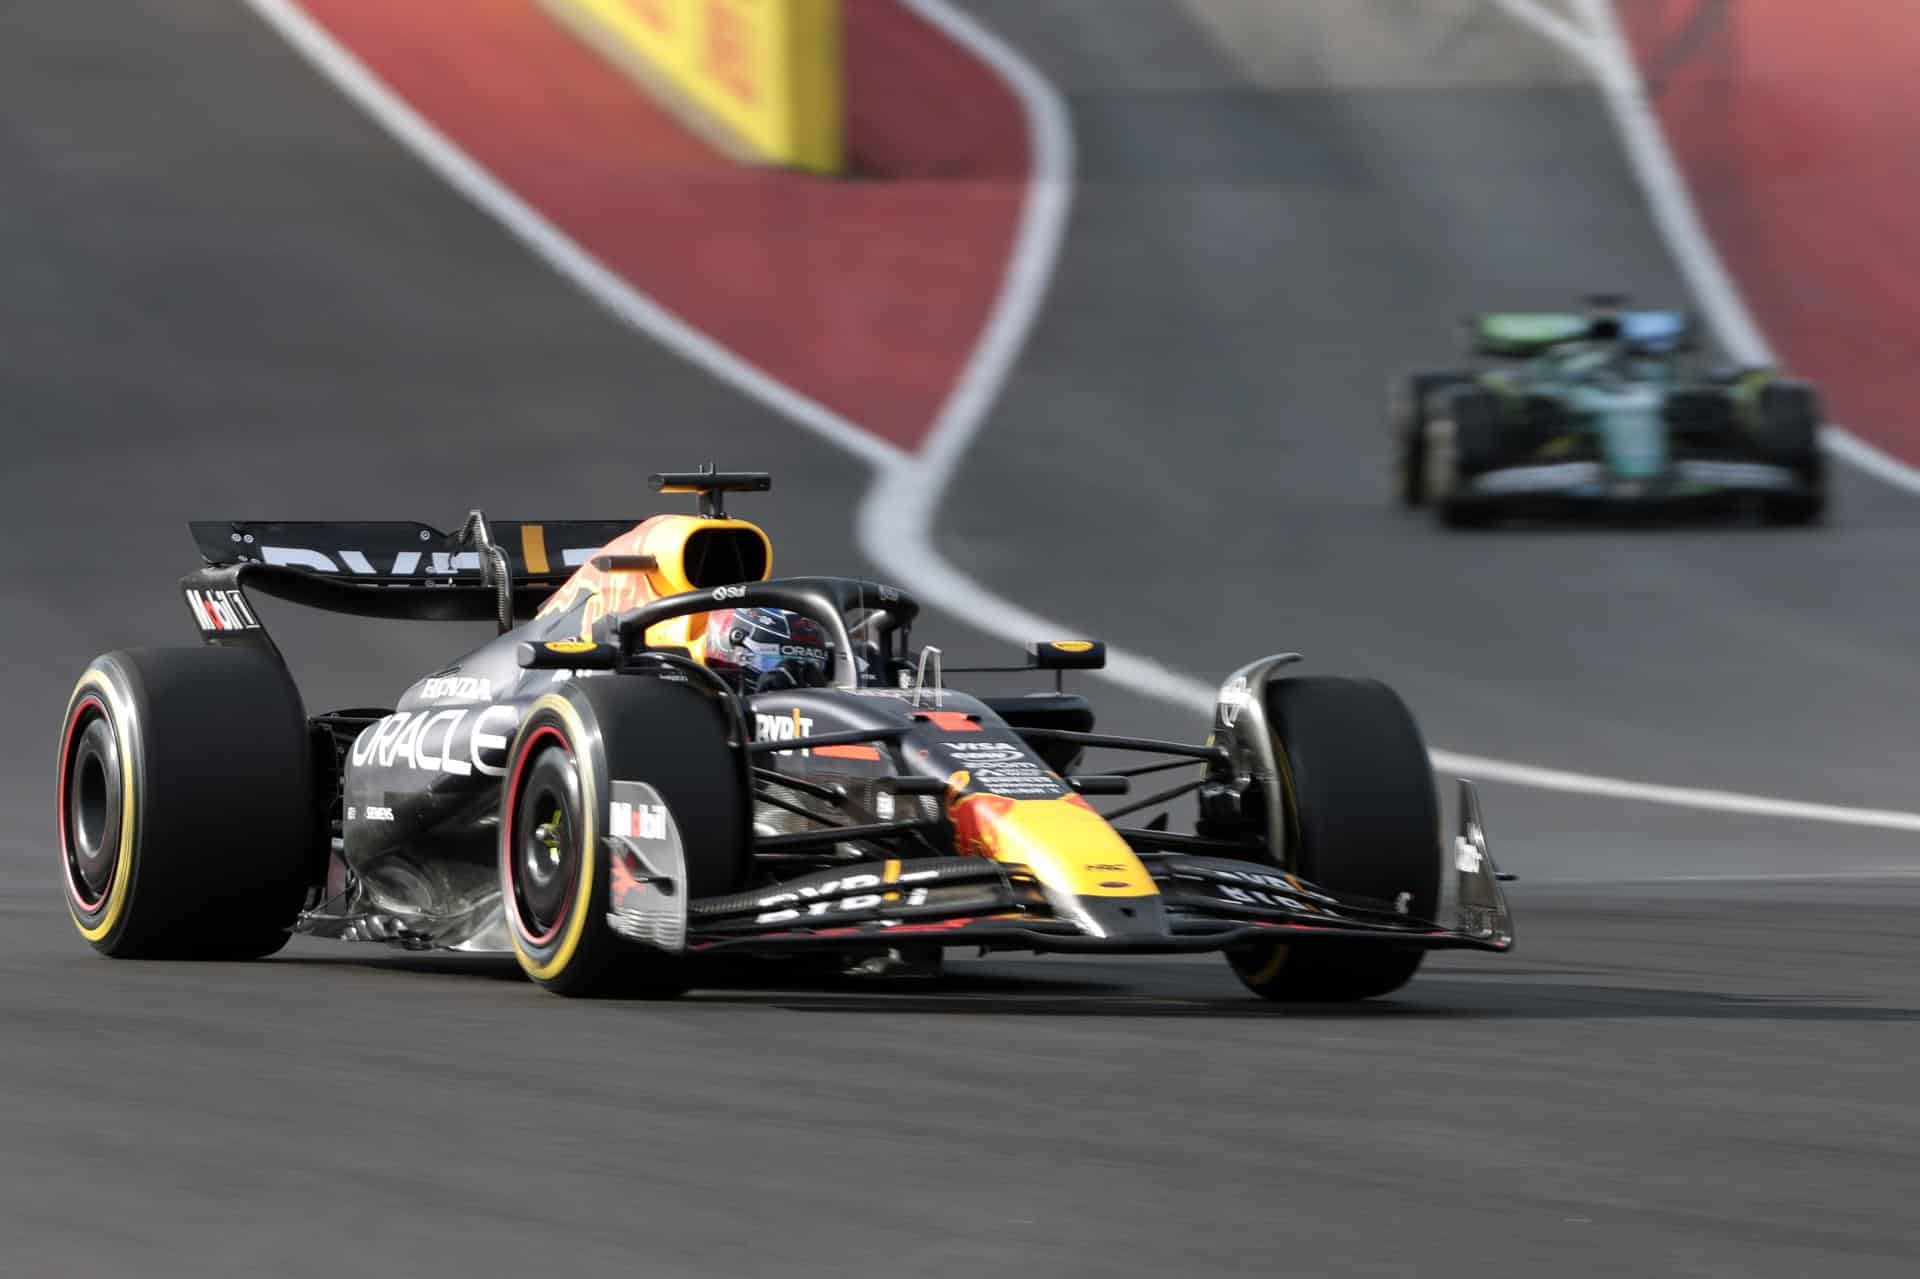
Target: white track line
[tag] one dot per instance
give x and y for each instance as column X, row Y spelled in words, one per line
column 1602, row 48
column 1871, row 873
column 551, row 244
column 896, row 521
column 1717, row 801
column 895, row 524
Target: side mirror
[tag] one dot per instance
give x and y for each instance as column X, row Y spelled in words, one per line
column 1067, row 655
column 567, row 655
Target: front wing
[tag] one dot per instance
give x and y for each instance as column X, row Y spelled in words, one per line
column 1202, row 904
column 1688, row 480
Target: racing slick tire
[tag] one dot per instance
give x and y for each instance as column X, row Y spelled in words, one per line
column 189, row 823
column 1479, row 446
column 557, row 874
column 1789, row 422
column 1362, row 819
column 1407, row 412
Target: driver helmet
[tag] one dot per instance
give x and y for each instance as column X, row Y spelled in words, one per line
column 764, row 650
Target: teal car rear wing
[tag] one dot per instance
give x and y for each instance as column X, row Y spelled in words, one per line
column 1525, row 333
column 1522, row 334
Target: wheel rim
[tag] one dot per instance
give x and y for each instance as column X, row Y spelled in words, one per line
column 543, row 874
column 90, row 806
column 545, row 855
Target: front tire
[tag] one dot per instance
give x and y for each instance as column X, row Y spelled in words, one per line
column 1407, row 412
column 1789, row 437
column 1362, row 819
column 1480, row 445
column 557, row 872
column 189, row 826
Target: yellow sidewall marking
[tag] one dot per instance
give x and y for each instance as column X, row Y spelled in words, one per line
column 123, row 855
column 576, row 929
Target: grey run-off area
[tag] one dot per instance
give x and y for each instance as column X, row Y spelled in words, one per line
column 278, row 311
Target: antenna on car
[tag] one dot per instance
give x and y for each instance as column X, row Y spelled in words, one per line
column 711, row 485
column 496, row 570
column 930, row 659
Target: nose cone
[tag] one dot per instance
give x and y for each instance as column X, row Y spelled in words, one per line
column 1633, row 433
column 1088, row 872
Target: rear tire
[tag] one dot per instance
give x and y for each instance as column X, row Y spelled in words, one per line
column 1362, row 819
column 1789, row 431
column 189, row 826
column 556, row 884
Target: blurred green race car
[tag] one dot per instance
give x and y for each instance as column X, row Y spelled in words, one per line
column 1608, row 409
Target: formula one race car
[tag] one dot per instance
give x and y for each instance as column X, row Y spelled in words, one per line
column 666, row 756
column 1607, row 409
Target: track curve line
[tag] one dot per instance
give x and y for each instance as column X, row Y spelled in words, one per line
column 553, row 246
column 895, row 521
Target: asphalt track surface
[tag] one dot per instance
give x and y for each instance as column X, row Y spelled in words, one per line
column 237, row 296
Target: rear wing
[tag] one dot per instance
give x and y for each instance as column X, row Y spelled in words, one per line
column 1517, row 334
column 487, row 571
column 1522, row 334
